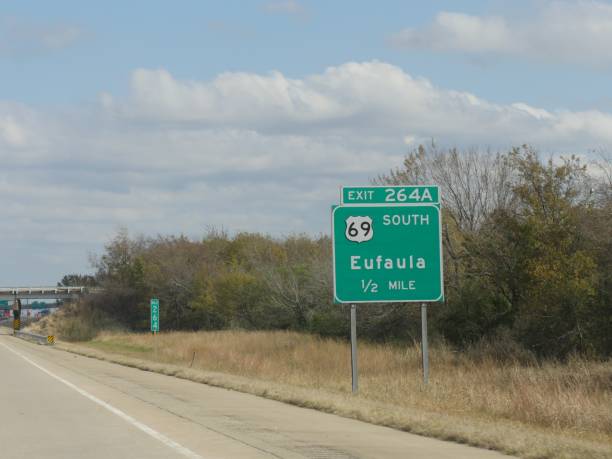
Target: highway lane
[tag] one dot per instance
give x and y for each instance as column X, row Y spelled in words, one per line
column 54, row 404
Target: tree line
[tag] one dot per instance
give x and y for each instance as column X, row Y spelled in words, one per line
column 527, row 254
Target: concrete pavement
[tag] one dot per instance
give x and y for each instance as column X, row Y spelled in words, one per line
column 54, row 404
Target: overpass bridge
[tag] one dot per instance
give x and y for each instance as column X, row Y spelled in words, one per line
column 15, row 296
column 43, row 293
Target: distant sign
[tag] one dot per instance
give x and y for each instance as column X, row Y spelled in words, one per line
column 389, row 195
column 154, row 315
column 389, row 253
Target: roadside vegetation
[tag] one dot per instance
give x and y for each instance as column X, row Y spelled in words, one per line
column 521, row 346
column 527, row 257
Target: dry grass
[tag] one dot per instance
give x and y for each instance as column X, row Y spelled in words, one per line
column 544, row 411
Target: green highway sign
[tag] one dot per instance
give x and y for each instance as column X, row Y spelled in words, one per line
column 154, row 315
column 390, row 195
column 389, row 253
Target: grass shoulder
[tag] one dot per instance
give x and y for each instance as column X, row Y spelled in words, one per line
column 120, row 347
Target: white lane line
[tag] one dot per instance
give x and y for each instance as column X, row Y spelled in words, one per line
column 139, row 425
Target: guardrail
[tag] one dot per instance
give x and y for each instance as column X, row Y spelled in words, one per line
column 45, row 293
column 38, row 339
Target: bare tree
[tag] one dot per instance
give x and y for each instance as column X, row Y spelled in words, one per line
column 602, row 187
column 473, row 183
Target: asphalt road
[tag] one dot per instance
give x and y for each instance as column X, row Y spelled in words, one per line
column 57, row 405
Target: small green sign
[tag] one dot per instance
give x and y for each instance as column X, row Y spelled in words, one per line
column 387, row 253
column 390, row 195
column 154, row 315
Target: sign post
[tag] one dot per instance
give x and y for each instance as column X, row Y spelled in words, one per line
column 355, row 384
column 387, row 247
column 424, row 347
column 16, row 315
column 154, row 315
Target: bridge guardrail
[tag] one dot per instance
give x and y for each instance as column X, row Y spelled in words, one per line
column 38, row 339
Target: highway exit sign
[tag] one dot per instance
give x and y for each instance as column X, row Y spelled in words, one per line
column 387, row 253
column 390, row 195
column 154, row 315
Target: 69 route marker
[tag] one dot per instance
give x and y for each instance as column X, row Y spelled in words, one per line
column 359, row 229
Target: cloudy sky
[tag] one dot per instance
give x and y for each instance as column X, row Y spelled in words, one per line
column 173, row 117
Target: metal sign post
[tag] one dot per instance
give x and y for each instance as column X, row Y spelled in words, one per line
column 424, row 346
column 354, row 372
column 387, row 247
column 16, row 315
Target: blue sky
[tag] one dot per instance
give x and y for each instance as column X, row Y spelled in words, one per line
column 200, row 39
column 171, row 117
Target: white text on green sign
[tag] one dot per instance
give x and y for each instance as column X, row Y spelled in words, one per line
column 155, row 315
column 387, row 253
column 390, row 195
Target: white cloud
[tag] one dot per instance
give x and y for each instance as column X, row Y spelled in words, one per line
column 359, row 103
column 59, row 37
column 19, row 38
column 11, row 132
column 460, row 32
column 243, row 151
column 563, row 31
column 291, row 7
